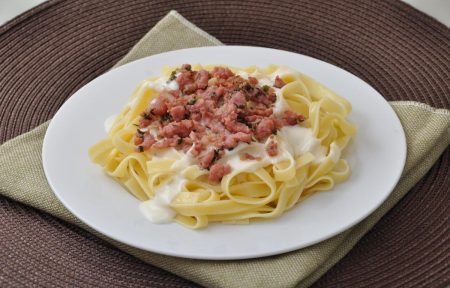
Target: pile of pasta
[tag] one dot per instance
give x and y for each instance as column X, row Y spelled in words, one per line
column 241, row 196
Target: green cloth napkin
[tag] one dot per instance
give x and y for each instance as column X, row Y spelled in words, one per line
column 22, row 179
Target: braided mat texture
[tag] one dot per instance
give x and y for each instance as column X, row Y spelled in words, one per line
column 51, row 51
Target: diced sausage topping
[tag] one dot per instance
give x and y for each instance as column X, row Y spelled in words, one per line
column 247, row 156
column 217, row 171
column 272, row 148
column 212, row 111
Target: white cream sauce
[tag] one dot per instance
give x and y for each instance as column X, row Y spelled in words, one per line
column 280, row 103
column 184, row 161
column 158, row 210
column 335, row 152
column 300, row 140
column 243, row 74
column 161, row 84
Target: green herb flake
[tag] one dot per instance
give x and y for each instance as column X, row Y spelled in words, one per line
column 172, row 76
column 192, row 101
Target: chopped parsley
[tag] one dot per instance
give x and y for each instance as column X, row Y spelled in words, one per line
column 192, row 101
column 241, row 119
column 172, row 76
column 166, row 117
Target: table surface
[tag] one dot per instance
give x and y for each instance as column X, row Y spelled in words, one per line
column 413, row 238
column 438, row 9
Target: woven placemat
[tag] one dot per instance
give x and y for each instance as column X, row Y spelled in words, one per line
column 51, row 51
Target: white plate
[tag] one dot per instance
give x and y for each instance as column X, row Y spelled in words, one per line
column 377, row 156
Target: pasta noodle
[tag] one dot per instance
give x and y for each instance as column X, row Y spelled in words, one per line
column 173, row 186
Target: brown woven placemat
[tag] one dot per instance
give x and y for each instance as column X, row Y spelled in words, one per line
column 49, row 52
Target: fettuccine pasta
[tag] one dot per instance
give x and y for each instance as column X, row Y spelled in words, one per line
column 220, row 144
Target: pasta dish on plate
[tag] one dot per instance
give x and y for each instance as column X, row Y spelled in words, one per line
column 204, row 144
